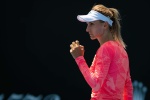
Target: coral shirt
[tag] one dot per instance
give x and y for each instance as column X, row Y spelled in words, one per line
column 109, row 74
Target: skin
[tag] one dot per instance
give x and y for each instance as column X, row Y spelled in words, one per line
column 97, row 30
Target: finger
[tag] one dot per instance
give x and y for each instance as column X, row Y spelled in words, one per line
column 71, row 46
column 77, row 42
column 70, row 50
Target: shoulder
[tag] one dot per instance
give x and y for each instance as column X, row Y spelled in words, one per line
column 108, row 48
column 109, row 45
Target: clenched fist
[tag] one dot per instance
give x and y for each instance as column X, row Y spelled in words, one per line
column 76, row 49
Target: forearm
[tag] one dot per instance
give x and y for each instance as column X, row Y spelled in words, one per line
column 85, row 70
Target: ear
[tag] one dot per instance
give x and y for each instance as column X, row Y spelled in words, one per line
column 106, row 24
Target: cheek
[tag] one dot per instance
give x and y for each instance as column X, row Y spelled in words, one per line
column 98, row 31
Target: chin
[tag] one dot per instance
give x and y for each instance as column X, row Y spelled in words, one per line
column 93, row 38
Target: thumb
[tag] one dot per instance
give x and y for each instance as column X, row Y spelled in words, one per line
column 82, row 47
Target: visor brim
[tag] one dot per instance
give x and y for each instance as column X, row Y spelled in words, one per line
column 85, row 18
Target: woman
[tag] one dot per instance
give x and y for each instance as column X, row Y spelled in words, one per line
column 109, row 74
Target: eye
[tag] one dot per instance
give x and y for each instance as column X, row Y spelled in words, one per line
column 90, row 23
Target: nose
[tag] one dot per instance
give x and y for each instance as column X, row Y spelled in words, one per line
column 87, row 29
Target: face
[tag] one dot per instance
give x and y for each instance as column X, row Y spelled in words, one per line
column 95, row 29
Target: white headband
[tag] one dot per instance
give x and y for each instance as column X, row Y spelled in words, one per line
column 93, row 16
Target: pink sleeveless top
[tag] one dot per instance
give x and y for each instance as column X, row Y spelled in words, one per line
column 109, row 74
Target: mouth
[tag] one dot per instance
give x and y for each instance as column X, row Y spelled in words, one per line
column 90, row 34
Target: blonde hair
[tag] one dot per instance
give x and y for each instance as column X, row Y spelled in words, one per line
column 114, row 15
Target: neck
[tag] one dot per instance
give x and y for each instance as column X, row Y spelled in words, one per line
column 107, row 36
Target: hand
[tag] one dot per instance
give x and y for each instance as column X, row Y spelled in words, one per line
column 76, row 49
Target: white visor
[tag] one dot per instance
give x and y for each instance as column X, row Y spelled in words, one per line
column 93, row 16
